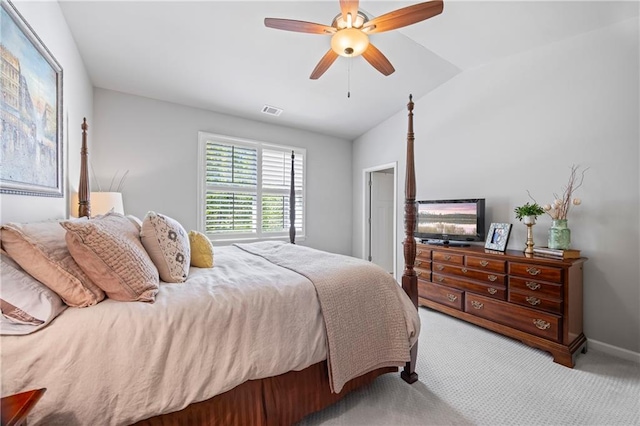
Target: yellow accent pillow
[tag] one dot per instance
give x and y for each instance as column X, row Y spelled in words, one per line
column 201, row 250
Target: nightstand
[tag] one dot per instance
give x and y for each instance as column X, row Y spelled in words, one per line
column 15, row 408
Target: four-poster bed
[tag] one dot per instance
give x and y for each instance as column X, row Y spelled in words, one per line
column 307, row 384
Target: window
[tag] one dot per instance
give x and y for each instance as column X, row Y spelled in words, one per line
column 244, row 188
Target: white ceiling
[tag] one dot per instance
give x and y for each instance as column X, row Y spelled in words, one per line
column 219, row 56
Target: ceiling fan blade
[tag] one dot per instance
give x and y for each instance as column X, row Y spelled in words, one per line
column 298, row 26
column 402, row 17
column 349, row 6
column 324, row 64
column 378, row 60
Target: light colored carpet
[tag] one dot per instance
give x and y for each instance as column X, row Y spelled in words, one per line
column 471, row 376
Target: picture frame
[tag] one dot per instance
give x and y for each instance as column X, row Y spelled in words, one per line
column 31, row 133
column 498, row 236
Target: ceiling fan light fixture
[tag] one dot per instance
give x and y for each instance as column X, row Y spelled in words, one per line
column 349, row 42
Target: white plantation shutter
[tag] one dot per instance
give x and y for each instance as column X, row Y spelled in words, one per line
column 231, row 196
column 231, row 164
column 230, row 212
column 245, row 188
column 276, row 187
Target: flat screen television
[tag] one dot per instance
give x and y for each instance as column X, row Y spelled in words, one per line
column 450, row 222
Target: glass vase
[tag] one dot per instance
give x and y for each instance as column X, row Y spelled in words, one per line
column 559, row 235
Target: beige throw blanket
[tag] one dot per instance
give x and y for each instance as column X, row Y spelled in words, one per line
column 364, row 308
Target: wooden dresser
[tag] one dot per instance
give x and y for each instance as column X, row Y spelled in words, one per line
column 533, row 299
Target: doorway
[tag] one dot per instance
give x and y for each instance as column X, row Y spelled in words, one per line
column 380, row 216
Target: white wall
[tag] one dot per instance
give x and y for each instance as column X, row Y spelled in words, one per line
column 519, row 124
column 158, row 142
column 49, row 24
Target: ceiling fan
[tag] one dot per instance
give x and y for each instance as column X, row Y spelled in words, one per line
column 350, row 31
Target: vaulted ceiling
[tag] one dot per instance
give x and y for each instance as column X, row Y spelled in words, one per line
column 219, row 56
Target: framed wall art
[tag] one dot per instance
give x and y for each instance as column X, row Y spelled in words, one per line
column 498, row 236
column 30, row 111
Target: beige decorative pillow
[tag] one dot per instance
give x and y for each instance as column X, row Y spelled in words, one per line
column 109, row 250
column 201, row 250
column 41, row 250
column 167, row 243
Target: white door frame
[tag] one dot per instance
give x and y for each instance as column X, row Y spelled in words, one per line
column 365, row 188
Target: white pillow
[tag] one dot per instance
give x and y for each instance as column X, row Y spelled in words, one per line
column 167, row 244
column 27, row 305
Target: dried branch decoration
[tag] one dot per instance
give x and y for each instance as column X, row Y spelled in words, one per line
column 559, row 209
column 121, row 182
column 123, row 178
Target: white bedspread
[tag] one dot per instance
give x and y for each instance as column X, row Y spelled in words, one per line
column 118, row 362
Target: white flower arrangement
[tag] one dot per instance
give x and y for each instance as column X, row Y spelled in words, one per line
column 559, row 209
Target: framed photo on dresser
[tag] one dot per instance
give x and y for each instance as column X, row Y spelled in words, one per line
column 498, row 236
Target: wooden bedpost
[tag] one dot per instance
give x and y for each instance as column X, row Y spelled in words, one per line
column 292, row 202
column 84, row 202
column 409, row 277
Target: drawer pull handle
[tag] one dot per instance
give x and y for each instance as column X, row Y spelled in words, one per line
column 476, row 305
column 532, row 285
column 418, row 274
column 542, row 325
column 419, row 251
column 492, row 278
column 447, row 257
column 492, row 290
column 439, row 267
column 533, row 300
column 418, row 263
column 440, row 279
column 483, row 263
column 451, row 297
column 464, row 270
column 533, row 270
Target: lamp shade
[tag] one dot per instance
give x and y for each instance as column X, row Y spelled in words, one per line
column 104, row 202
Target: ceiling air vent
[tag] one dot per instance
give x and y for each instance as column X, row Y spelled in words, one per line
column 271, row 110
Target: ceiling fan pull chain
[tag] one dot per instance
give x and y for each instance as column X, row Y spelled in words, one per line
column 349, row 78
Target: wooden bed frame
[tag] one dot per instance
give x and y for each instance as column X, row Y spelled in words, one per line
column 287, row 398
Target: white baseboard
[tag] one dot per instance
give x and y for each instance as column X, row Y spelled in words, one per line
column 613, row 350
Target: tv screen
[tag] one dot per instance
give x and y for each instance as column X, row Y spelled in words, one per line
column 440, row 221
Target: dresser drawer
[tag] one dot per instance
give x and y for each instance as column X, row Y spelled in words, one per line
column 497, row 292
column 544, row 273
column 456, row 259
column 525, row 319
column 423, row 274
column 536, row 288
column 423, row 253
column 534, row 301
column 441, row 294
column 462, row 271
column 421, row 263
column 486, row 264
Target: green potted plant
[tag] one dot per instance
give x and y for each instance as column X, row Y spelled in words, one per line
column 528, row 213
